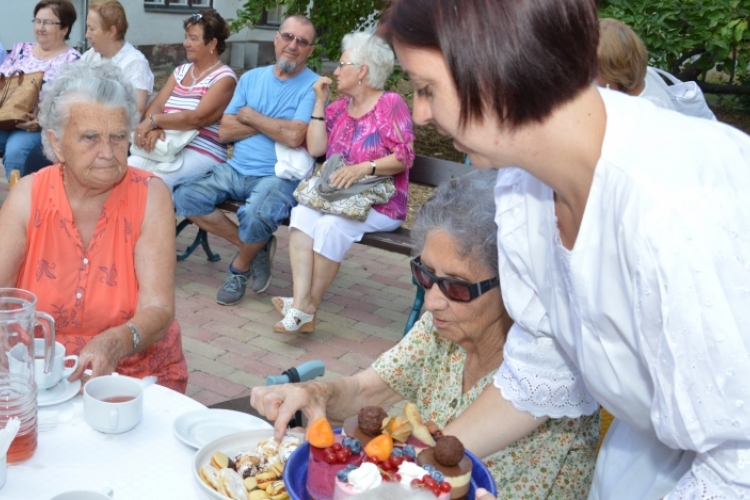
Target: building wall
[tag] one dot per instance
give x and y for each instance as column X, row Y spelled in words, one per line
column 146, row 28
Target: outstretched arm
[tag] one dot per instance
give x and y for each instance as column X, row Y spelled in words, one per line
column 338, row 398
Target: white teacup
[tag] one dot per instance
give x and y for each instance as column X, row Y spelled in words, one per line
column 59, row 370
column 104, row 494
column 112, row 404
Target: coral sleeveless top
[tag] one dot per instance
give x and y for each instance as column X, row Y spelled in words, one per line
column 90, row 290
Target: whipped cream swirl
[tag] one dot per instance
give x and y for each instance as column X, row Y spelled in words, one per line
column 366, row 477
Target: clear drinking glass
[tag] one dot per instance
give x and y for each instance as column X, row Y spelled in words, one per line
column 18, row 320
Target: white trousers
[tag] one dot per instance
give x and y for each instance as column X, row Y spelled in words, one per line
column 334, row 235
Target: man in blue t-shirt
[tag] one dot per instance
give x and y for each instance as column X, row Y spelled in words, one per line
column 270, row 104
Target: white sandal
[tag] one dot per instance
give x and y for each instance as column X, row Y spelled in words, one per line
column 295, row 321
column 282, row 304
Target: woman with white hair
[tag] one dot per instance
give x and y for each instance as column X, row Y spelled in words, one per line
column 86, row 235
column 372, row 130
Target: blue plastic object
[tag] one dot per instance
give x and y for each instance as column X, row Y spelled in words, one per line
column 295, row 474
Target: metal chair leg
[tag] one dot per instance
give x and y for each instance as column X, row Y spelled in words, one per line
column 200, row 239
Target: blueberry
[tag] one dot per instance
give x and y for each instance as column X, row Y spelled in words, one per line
column 410, row 452
column 437, row 476
column 346, row 442
column 355, row 446
column 342, row 475
column 398, row 452
column 429, row 468
column 350, row 467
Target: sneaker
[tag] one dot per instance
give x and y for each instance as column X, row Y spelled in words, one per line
column 260, row 267
column 232, row 290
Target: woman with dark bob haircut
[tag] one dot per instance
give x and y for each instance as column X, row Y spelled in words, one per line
column 623, row 244
column 194, row 97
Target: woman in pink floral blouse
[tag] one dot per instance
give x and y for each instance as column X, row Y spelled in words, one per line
column 451, row 354
column 372, row 130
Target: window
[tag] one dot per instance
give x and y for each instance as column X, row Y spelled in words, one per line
column 272, row 18
column 176, row 6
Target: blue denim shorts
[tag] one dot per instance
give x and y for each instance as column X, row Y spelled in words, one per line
column 268, row 199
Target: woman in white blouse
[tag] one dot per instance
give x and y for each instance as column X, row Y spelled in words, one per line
column 623, row 241
column 106, row 26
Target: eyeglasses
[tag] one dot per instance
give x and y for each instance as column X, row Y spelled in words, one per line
column 346, row 63
column 453, row 289
column 45, row 22
column 289, row 38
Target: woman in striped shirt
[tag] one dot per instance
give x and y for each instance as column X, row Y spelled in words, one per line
column 194, row 97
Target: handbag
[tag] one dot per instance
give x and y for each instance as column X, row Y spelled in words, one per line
column 687, row 97
column 293, row 163
column 165, row 150
column 19, row 95
column 353, row 202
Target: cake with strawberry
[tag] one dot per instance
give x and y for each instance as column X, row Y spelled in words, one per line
column 448, row 457
column 329, row 454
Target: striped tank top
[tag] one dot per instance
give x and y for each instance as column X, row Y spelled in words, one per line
column 184, row 98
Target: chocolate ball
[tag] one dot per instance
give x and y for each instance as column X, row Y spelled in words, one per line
column 370, row 420
column 449, row 451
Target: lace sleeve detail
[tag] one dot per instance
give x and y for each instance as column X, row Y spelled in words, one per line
column 539, row 379
column 720, row 474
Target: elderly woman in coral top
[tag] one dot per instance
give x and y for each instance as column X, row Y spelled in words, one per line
column 86, row 234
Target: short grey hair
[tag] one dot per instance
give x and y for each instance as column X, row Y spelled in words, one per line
column 369, row 49
column 463, row 208
column 80, row 82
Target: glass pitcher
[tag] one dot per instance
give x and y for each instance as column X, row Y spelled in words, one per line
column 18, row 320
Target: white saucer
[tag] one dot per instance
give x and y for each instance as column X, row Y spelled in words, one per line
column 200, row 427
column 60, row 393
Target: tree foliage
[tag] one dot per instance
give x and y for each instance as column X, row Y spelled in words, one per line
column 689, row 38
column 332, row 19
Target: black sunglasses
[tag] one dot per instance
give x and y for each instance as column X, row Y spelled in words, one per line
column 453, row 289
column 290, row 37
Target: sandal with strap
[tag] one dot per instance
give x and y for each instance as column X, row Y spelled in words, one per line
column 282, row 304
column 295, row 321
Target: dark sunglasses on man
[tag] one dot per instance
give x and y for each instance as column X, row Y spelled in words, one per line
column 453, row 289
column 289, row 38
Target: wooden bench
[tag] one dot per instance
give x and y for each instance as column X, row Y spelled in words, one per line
column 425, row 171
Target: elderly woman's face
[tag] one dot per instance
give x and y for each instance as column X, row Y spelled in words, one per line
column 95, row 32
column 436, row 101
column 458, row 321
column 47, row 30
column 94, row 144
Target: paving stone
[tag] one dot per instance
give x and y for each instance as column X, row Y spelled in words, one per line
column 392, row 315
column 357, row 359
column 238, row 347
column 336, row 319
column 248, row 380
column 278, row 347
column 208, row 398
column 198, row 363
column 384, row 333
column 331, row 329
column 216, row 384
column 333, row 364
column 198, row 333
column 365, row 317
column 241, row 334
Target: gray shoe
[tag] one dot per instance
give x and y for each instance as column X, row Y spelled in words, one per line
column 260, row 267
column 232, row 290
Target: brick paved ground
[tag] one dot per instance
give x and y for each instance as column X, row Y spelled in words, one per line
column 231, row 349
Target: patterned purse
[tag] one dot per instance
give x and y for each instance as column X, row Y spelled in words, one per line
column 353, row 202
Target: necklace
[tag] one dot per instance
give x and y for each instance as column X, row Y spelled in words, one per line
column 200, row 77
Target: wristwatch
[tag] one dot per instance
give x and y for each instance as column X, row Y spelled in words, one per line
column 136, row 337
column 373, row 164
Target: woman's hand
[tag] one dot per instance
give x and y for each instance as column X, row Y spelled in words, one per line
column 280, row 402
column 348, row 175
column 321, row 88
column 149, row 143
column 102, row 353
column 31, row 124
column 145, row 135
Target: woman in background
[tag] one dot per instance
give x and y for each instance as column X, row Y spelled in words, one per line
column 106, row 26
column 371, row 129
column 194, row 97
column 53, row 20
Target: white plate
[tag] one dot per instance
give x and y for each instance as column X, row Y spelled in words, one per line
column 197, row 428
column 60, row 393
column 230, row 445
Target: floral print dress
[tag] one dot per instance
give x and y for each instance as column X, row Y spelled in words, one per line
column 556, row 461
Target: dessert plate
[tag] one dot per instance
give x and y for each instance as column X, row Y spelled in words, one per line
column 230, row 445
column 197, row 428
column 295, row 474
column 63, row 391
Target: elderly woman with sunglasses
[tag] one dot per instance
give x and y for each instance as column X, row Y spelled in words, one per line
column 371, row 129
column 459, row 344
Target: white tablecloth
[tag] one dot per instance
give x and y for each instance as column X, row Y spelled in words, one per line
column 147, row 462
